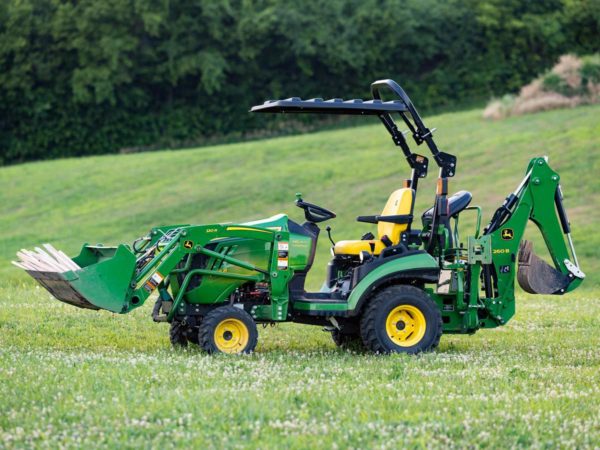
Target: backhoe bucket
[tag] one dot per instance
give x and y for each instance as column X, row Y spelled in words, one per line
column 102, row 282
column 536, row 276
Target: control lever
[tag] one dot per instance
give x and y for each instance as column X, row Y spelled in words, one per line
column 328, row 229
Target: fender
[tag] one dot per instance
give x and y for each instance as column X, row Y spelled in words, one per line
column 417, row 266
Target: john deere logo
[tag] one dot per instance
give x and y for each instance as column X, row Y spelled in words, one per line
column 188, row 244
column 508, row 234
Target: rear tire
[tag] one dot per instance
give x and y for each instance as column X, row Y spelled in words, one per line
column 228, row 329
column 401, row 319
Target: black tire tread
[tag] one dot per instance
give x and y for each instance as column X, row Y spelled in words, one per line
column 346, row 341
column 177, row 335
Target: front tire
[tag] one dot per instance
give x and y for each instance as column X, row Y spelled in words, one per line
column 347, row 341
column 180, row 334
column 177, row 335
column 228, row 329
column 401, row 319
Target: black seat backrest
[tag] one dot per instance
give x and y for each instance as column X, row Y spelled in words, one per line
column 456, row 203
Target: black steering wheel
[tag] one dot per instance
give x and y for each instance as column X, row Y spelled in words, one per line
column 314, row 213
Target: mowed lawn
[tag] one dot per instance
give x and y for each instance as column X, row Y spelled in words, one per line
column 85, row 379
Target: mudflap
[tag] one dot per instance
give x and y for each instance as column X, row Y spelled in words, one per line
column 536, row 276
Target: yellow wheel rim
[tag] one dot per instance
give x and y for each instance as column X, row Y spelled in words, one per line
column 231, row 336
column 405, row 325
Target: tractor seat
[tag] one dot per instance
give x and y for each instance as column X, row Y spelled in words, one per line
column 456, row 203
column 400, row 202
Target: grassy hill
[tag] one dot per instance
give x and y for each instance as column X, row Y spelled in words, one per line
column 113, row 199
column 76, row 378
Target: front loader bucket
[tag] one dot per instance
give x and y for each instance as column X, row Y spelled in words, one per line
column 61, row 289
column 536, row 276
column 102, row 281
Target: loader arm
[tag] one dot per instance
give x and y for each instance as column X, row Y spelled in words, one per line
column 539, row 199
column 120, row 279
column 192, row 240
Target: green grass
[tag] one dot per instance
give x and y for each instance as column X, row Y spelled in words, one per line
column 82, row 379
column 75, row 378
column 114, row 199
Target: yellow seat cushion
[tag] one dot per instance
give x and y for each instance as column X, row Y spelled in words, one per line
column 400, row 202
column 355, row 247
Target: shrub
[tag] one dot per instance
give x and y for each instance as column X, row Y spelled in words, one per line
column 499, row 108
column 571, row 82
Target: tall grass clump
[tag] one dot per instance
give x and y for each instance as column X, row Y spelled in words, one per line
column 571, row 82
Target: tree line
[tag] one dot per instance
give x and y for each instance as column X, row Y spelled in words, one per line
column 80, row 77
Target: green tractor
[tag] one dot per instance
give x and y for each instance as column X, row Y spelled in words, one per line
column 394, row 291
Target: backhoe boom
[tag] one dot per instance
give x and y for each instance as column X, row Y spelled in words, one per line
column 539, row 199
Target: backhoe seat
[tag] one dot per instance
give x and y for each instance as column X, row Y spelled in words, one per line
column 456, row 203
column 399, row 203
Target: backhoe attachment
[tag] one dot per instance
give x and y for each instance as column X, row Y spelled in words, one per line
column 538, row 199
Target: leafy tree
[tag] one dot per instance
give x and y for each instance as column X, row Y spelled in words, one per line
column 82, row 77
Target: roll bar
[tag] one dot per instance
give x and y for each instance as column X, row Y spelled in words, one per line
column 420, row 133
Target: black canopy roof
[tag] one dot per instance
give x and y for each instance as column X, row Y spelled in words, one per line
column 332, row 106
column 383, row 110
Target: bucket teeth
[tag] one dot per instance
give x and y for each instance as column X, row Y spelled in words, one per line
column 536, row 276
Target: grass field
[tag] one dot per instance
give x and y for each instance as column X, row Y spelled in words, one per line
column 79, row 379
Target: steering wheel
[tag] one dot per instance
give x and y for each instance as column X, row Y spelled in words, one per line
column 314, row 213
